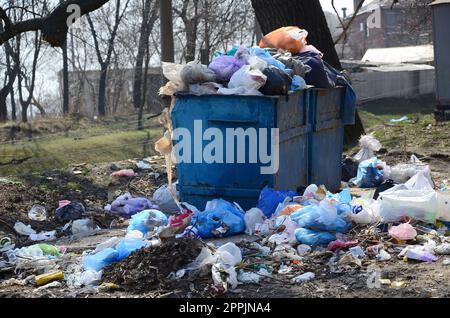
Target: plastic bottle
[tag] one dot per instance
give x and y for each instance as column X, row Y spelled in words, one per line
column 49, row 277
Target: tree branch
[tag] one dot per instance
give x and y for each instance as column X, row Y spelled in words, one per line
column 54, row 26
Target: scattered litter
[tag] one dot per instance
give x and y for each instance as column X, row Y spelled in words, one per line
column 37, row 213
column 403, row 232
column 69, row 211
column 304, row 278
column 124, row 173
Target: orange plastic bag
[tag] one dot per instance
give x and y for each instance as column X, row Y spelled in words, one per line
column 290, row 38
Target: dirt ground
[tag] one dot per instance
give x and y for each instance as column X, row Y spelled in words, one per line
column 144, row 273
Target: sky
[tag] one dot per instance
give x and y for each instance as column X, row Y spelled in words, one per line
column 339, row 4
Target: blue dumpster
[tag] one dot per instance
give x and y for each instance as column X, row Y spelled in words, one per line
column 327, row 138
column 200, row 182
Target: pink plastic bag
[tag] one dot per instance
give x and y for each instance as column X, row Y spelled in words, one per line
column 339, row 245
column 403, row 232
column 124, row 173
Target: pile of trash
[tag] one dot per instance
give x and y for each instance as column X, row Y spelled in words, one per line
column 282, row 63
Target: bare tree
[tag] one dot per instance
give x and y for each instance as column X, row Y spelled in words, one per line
column 104, row 58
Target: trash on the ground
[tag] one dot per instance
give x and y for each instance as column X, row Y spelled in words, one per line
column 23, row 229
column 43, row 236
column 96, row 262
column 143, row 165
column 146, row 221
column 49, row 277
column 251, row 218
column 37, row 213
column 82, row 228
column 383, row 256
column 357, row 252
column 304, row 278
column 164, row 199
column 220, row 219
column 399, row 120
column 269, row 200
column 370, row 173
column 340, row 245
column 303, row 249
column 418, row 253
column 253, row 277
column 312, row 238
column 126, row 206
column 446, row 261
column 124, row 173
column 443, row 249
column 69, row 212
column 403, row 232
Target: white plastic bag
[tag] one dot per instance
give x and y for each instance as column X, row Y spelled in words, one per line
column 401, row 173
column 23, row 229
column 443, row 205
column 369, row 214
column 246, row 81
column 251, row 218
column 421, row 181
column 164, row 199
column 172, row 72
column 401, row 201
column 368, row 145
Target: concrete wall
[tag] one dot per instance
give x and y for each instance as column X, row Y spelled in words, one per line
column 398, row 84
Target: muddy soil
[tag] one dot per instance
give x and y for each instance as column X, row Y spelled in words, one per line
column 147, row 269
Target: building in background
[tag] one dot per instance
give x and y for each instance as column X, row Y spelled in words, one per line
column 380, row 24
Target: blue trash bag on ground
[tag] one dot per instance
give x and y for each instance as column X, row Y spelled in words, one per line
column 369, row 176
column 342, row 197
column 220, row 219
column 97, row 261
column 312, row 238
column 147, row 220
column 270, row 198
column 322, row 217
column 127, row 246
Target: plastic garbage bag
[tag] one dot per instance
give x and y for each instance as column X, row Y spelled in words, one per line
column 443, row 205
column 287, row 207
column 401, row 173
column 82, row 228
column 43, row 236
column 277, row 82
column 368, row 145
column 127, row 206
column 343, row 197
column 364, row 211
column 248, row 77
column 23, row 229
column 289, row 38
column 291, row 62
column 127, row 246
column 403, row 232
column 269, row 199
column 37, row 213
column 321, row 217
column 70, row 212
column 124, row 173
column 225, row 66
column 205, row 89
column 251, row 218
column 289, row 226
column 229, row 254
column 164, row 199
column 399, row 201
column 267, row 57
column 95, row 262
column 420, row 181
column 220, row 219
column 370, row 173
column 110, row 243
column 147, row 221
column 298, row 83
column 194, row 73
column 312, row 238
column 172, row 72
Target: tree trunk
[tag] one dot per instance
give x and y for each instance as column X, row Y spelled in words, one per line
column 274, row 14
column 166, row 22
column 24, row 112
column 65, row 73
column 191, row 39
column 102, row 92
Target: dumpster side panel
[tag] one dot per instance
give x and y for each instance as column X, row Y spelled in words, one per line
column 200, row 181
column 327, row 138
column 294, row 130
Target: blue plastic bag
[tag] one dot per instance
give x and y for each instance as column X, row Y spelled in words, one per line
column 127, row 246
column 222, row 215
column 310, row 237
column 342, row 197
column 369, row 176
column 97, row 261
column 323, row 217
column 270, row 198
column 298, row 83
column 265, row 55
column 147, row 220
